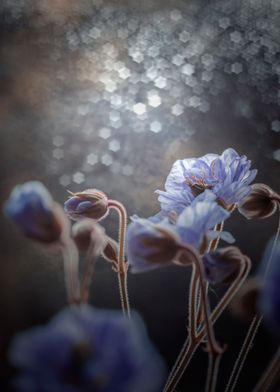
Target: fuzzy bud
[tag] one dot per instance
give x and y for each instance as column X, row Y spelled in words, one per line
column 111, row 250
column 90, row 203
column 222, row 265
column 86, row 232
column 261, row 203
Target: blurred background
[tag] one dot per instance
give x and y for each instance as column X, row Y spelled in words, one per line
column 108, row 94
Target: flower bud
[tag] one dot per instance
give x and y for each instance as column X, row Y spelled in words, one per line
column 86, row 232
column 31, row 207
column 244, row 304
column 111, row 250
column 221, row 266
column 90, row 203
column 150, row 245
column 261, row 203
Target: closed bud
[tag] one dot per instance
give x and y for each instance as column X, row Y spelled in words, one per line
column 261, row 203
column 31, row 207
column 111, row 250
column 222, row 265
column 90, row 203
column 86, row 232
column 244, row 304
column 150, row 245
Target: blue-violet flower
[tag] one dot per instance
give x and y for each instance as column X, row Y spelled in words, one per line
column 31, row 207
column 228, row 176
column 86, row 349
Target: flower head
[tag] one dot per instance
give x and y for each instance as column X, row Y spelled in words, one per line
column 150, row 245
column 270, row 295
column 227, row 175
column 86, row 232
column 90, row 203
column 31, row 207
column 222, row 265
column 86, row 349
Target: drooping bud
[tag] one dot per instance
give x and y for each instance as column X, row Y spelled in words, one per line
column 150, row 245
column 111, row 250
column 244, row 304
column 261, row 203
column 86, row 232
column 32, row 208
column 90, row 203
column 222, row 265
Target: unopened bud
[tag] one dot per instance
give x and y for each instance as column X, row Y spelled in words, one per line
column 222, row 265
column 111, row 250
column 244, row 304
column 261, row 203
column 87, row 232
column 90, row 203
column 150, row 245
column 33, row 210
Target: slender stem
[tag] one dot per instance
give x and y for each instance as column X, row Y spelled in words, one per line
column 254, row 326
column 189, row 348
column 122, row 265
column 271, row 372
column 71, row 270
column 193, row 293
column 212, row 373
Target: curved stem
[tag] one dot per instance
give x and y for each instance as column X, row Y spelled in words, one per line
column 254, row 326
column 271, row 372
column 122, row 265
column 189, row 348
column 71, row 270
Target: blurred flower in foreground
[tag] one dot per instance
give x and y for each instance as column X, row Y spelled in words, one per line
column 221, row 266
column 85, row 349
column 90, row 203
column 228, row 176
column 270, row 295
column 31, row 207
column 151, row 245
column 261, row 203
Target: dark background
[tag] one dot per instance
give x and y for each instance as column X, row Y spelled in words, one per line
column 206, row 77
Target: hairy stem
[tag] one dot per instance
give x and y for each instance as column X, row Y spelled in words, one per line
column 189, row 348
column 122, row 266
column 212, row 373
column 253, row 329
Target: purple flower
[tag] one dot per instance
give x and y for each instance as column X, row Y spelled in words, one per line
column 85, row 349
column 227, row 175
column 90, row 203
column 150, row 245
column 31, row 207
column 270, row 295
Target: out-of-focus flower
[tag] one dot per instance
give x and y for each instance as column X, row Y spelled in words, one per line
column 31, row 207
column 261, row 203
column 86, row 232
column 90, row 203
column 150, row 245
column 228, row 176
column 85, row 349
column 270, row 295
column 222, row 265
